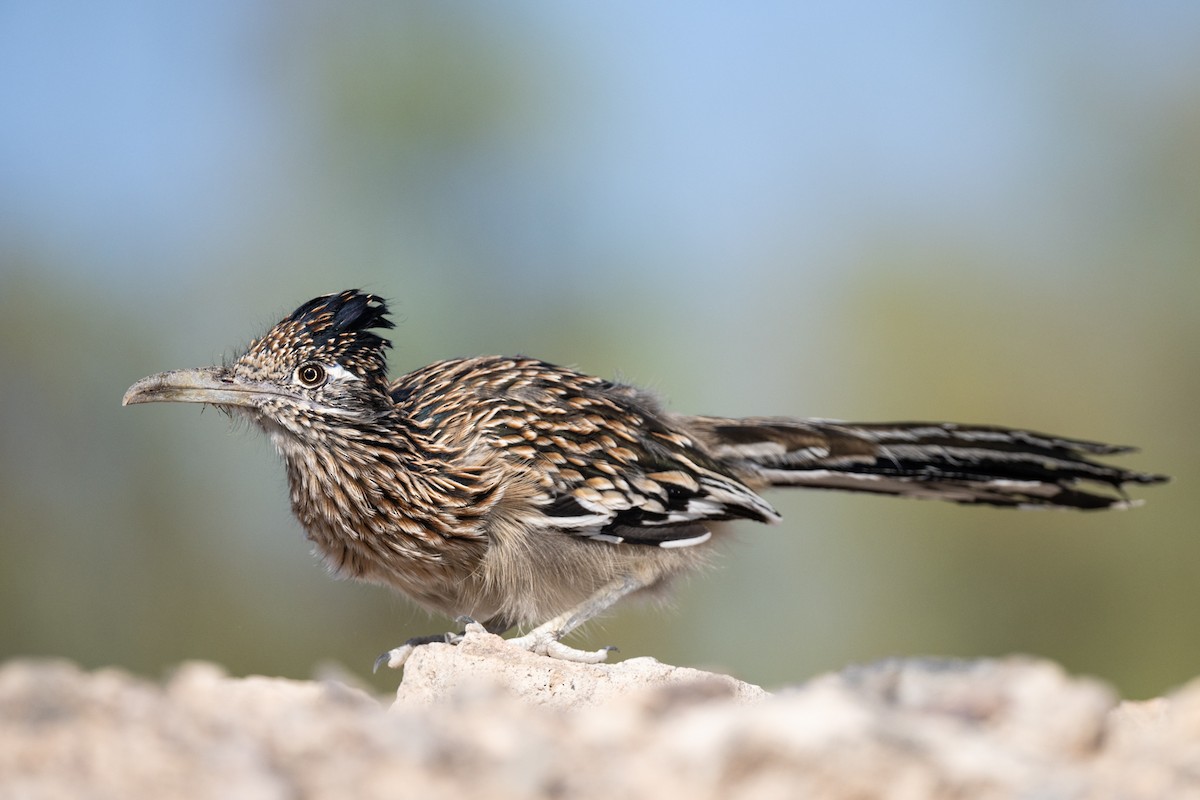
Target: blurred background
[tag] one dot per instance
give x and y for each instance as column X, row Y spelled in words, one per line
column 986, row 213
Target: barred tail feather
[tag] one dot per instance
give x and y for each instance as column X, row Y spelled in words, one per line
column 932, row 460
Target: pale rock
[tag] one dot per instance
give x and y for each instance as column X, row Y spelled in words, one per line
column 488, row 720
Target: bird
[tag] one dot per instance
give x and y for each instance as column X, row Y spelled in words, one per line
column 506, row 492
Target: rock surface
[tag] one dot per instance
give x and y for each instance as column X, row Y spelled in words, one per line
column 485, row 720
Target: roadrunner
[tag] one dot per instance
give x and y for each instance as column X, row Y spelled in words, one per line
column 518, row 493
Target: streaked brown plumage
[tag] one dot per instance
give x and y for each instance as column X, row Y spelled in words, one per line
column 519, row 493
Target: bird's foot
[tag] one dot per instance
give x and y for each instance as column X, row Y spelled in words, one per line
column 396, row 657
column 542, row 641
column 545, row 642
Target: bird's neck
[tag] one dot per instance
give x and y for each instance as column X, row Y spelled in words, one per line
column 371, row 498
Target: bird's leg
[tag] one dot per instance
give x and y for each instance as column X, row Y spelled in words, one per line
column 544, row 639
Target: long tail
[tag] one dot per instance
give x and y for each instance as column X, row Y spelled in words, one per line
column 933, row 460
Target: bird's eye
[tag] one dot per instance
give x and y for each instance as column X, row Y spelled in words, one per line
column 310, row 375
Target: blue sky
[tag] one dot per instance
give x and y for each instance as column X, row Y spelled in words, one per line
column 138, row 133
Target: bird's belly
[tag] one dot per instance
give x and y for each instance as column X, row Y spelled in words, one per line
column 438, row 579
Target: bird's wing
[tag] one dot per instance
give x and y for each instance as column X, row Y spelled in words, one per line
column 609, row 465
column 617, row 472
column 649, row 488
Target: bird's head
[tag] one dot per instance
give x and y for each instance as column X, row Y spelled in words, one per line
column 321, row 363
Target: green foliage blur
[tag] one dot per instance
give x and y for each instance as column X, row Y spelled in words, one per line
column 453, row 159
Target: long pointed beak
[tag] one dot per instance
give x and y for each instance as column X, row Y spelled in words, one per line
column 212, row 385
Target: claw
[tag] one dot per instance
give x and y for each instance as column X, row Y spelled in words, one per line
column 394, row 658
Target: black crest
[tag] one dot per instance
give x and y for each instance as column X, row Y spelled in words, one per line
column 333, row 329
column 348, row 316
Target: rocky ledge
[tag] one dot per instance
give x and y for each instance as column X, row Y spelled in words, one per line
column 485, row 720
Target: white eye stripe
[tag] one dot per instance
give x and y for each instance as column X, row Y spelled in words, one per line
column 337, row 372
